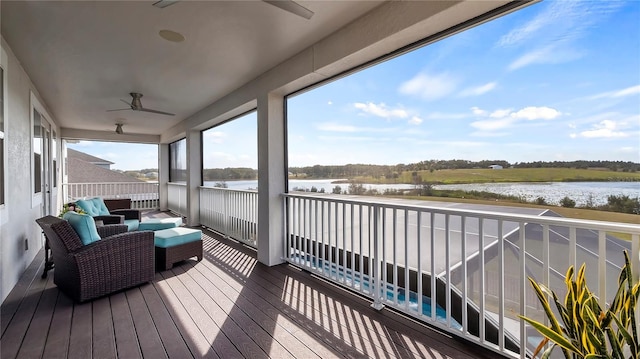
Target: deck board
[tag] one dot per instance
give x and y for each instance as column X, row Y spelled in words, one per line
column 57, row 344
column 226, row 306
column 15, row 297
column 104, row 341
column 81, row 340
column 127, row 345
column 36, row 336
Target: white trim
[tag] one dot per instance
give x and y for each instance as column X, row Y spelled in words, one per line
column 36, row 199
column 4, row 212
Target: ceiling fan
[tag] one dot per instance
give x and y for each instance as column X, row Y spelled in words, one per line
column 286, row 5
column 136, row 105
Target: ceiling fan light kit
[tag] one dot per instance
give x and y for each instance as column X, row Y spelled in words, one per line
column 136, row 105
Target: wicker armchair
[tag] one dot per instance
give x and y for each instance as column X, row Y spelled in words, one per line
column 119, row 260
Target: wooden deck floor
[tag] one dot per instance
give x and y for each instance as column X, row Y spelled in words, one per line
column 226, row 306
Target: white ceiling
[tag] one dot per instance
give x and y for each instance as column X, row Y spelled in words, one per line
column 85, row 56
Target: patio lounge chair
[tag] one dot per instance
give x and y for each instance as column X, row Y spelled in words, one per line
column 97, row 208
column 119, row 260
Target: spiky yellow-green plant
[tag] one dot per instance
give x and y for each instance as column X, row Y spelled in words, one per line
column 583, row 329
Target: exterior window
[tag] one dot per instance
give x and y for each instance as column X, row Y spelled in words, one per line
column 230, row 153
column 54, row 158
column 178, row 161
column 37, row 152
column 2, row 194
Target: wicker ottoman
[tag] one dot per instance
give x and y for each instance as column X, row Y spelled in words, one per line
column 175, row 245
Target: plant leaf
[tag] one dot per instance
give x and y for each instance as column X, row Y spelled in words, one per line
column 543, row 342
column 552, row 335
column 616, row 348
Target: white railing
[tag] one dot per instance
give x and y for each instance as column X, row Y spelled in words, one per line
column 144, row 195
column 177, row 198
column 233, row 213
column 474, row 263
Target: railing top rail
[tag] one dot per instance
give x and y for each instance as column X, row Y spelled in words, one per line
column 109, row 183
column 177, row 184
column 229, row 189
column 515, row 217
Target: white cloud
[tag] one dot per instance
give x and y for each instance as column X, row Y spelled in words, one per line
column 633, row 90
column 478, row 90
column 500, row 113
column 492, row 125
column 550, row 37
column 552, row 54
column 478, row 111
column 489, row 134
column 352, row 138
column 415, row 120
column 381, row 110
column 215, row 136
column 429, row 87
column 604, row 129
column 536, row 113
column 501, row 119
column 329, row 103
column 560, row 21
column 445, row 116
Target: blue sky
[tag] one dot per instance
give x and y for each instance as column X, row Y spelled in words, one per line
column 559, row 80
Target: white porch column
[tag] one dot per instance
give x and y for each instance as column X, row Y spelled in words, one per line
column 163, row 176
column 271, row 178
column 194, row 176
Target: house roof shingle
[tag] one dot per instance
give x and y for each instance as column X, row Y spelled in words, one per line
column 81, row 171
column 71, row 153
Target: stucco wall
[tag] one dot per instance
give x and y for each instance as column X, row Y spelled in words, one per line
column 21, row 208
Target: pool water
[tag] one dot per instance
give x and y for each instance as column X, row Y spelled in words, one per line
column 348, row 278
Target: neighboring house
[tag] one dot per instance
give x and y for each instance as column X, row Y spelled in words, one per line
column 89, row 176
column 84, row 168
column 89, row 158
column 495, row 167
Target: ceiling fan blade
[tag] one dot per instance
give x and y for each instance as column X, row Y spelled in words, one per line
column 119, row 109
column 127, row 102
column 155, row 111
column 292, row 7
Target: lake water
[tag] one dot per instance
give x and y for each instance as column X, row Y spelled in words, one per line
column 552, row 192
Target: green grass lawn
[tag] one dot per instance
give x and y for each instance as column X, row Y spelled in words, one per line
column 509, row 175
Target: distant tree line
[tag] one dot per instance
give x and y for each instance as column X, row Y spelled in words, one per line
column 229, row 174
column 393, row 171
column 610, row 165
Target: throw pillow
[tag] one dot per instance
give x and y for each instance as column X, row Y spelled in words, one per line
column 84, row 225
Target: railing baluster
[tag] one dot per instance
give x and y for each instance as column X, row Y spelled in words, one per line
column 523, row 287
column 407, row 286
column 394, row 242
column 353, row 249
column 447, row 264
column 379, row 286
column 463, row 246
column 304, row 231
column 433, row 299
column 602, row 269
column 419, row 259
column 481, row 290
column 500, row 287
column 360, row 249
